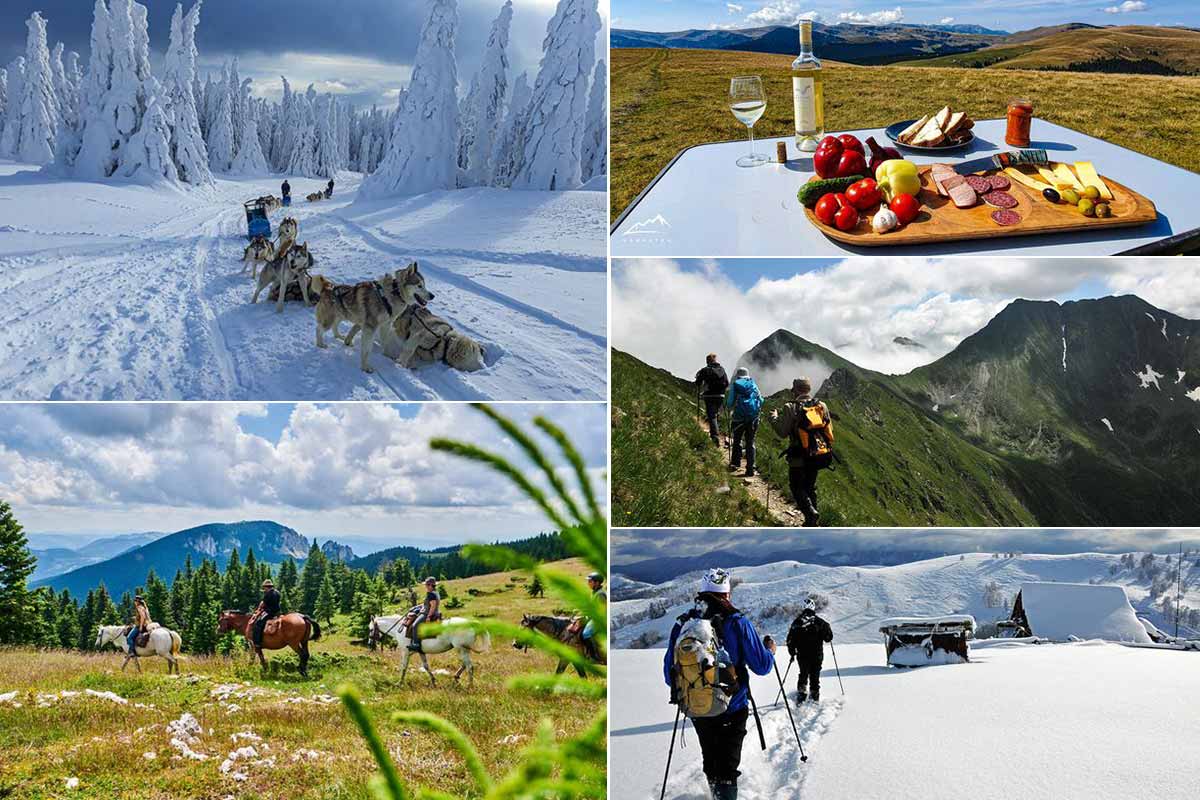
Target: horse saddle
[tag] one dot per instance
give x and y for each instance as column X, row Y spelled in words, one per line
column 272, row 626
column 143, row 639
column 574, row 629
column 410, row 616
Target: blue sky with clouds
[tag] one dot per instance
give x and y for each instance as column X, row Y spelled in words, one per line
column 341, row 470
column 1010, row 15
column 360, row 49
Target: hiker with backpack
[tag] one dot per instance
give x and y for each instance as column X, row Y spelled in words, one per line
column 806, row 640
column 711, row 383
column 746, row 401
column 808, row 427
column 713, row 649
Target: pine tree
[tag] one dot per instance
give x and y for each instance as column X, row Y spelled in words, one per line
column 220, row 132
column 595, row 138
column 510, row 147
column 67, row 629
column 179, row 79
column 158, row 600
column 125, row 608
column 535, row 587
column 37, row 107
column 326, row 605
column 484, row 105
column 288, row 576
column 17, row 611
column 250, row 587
column 231, row 583
column 310, row 579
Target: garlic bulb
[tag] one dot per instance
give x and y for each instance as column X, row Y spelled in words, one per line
column 884, row 220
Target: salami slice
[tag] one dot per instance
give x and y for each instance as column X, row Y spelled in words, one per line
column 980, row 184
column 999, row 199
column 1005, row 217
column 1000, row 183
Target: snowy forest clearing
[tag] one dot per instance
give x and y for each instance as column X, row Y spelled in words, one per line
column 136, row 292
column 1069, row 721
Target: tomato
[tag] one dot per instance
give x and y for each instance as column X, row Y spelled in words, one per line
column 905, row 207
column 850, row 142
column 846, row 219
column 864, row 194
column 827, row 208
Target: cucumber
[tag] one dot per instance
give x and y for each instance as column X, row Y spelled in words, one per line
column 813, row 191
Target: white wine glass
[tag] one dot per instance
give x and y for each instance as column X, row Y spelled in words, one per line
column 748, row 102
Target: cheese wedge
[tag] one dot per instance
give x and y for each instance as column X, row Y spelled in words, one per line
column 1025, row 180
column 1064, row 173
column 1053, row 179
column 1089, row 177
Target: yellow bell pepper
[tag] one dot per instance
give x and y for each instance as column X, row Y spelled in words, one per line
column 897, row 176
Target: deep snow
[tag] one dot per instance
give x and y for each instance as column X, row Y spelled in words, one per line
column 123, row 291
column 1069, row 721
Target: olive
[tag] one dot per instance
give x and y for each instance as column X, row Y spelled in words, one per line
column 1091, row 192
column 1051, row 195
column 1087, row 207
column 1102, row 210
column 1070, row 196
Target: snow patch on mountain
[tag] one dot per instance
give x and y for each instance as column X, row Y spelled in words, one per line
column 1149, row 377
column 1107, row 424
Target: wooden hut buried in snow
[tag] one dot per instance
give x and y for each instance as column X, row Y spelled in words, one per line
column 921, row 641
column 1074, row 611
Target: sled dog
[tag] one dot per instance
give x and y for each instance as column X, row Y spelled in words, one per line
column 259, row 249
column 370, row 306
column 289, row 229
column 291, row 264
column 422, row 337
column 315, row 196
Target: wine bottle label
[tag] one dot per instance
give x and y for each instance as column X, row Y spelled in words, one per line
column 804, row 103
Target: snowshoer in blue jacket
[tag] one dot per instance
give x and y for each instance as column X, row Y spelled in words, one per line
column 721, row 736
column 746, row 401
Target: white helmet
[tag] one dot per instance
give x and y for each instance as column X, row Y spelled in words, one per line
column 810, row 604
column 715, row 581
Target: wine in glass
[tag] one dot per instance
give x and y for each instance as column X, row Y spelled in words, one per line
column 748, row 102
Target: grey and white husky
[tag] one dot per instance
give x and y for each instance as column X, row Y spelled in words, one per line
column 290, row 265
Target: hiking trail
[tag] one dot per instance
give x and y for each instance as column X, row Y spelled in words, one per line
column 776, row 502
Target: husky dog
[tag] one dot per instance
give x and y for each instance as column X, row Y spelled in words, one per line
column 315, row 196
column 370, row 306
column 291, row 264
column 422, row 337
column 289, row 229
column 259, row 249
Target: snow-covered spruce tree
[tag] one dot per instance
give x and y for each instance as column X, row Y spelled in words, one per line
column 553, row 135
column 484, row 105
column 58, row 75
column 509, row 147
column 146, row 153
column 8, row 125
column 326, row 152
column 303, row 160
column 237, row 112
column 220, row 128
column 423, row 154
column 3, row 98
column 91, row 125
column 595, row 135
column 264, row 120
column 36, row 119
column 250, row 159
column 179, row 80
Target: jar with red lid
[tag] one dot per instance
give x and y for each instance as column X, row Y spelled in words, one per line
column 1020, row 114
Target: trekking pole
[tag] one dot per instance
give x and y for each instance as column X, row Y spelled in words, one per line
column 837, row 669
column 674, row 728
column 762, row 739
column 791, row 658
column 791, row 719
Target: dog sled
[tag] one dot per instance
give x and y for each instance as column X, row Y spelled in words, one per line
column 257, row 222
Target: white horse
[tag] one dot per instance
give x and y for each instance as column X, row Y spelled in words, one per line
column 464, row 641
column 163, row 642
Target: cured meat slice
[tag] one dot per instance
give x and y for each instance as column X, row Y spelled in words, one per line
column 1000, row 199
column 999, row 182
column 1003, row 216
column 979, row 183
column 963, row 195
column 938, row 173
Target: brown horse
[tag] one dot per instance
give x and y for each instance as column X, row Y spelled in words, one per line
column 565, row 630
column 289, row 630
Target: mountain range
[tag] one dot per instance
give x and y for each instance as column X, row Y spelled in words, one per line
column 1074, row 414
column 55, row 558
column 1076, row 46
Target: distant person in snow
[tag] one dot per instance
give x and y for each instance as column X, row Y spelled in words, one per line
column 746, row 401
column 806, row 424
column 712, row 382
column 286, row 191
column 806, row 640
column 731, row 641
column 329, row 189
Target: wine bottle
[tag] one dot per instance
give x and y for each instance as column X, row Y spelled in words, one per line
column 808, row 96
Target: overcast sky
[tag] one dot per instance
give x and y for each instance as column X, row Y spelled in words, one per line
column 670, row 313
column 356, row 469
column 359, row 49
column 630, row 545
column 1010, row 15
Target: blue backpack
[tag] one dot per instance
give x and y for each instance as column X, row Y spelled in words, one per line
column 746, row 399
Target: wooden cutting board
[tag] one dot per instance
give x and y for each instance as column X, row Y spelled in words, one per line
column 941, row 221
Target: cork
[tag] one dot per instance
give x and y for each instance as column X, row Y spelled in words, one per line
column 781, row 152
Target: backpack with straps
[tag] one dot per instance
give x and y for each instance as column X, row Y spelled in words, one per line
column 747, row 401
column 704, row 680
column 813, row 442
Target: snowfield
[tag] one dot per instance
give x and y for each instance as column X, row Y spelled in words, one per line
column 116, row 290
column 1071, row 721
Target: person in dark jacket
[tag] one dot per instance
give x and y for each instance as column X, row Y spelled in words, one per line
column 806, row 640
column 286, row 189
column 721, row 737
column 329, row 189
column 802, row 470
column 712, row 382
column 268, row 609
column 745, row 401
column 431, row 611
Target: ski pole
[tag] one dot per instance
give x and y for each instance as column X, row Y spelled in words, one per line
column 791, row 659
column 762, row 739
column 791, row 719
column 674, row 728
column 837, row 669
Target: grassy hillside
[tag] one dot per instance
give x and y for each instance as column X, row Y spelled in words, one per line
column 665, row 470
column 1132, row 48
column 316, row 751
column 665, row 100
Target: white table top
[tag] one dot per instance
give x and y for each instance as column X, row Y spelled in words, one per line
column 704, row 205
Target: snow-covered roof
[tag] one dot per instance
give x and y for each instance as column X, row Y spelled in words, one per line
column 1064, row 610
column 945, row 619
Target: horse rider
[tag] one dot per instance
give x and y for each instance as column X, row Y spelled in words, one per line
column 595, row 582
column 286, row 191
column 267, row 609
column 141, row 623
column 431, row 611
